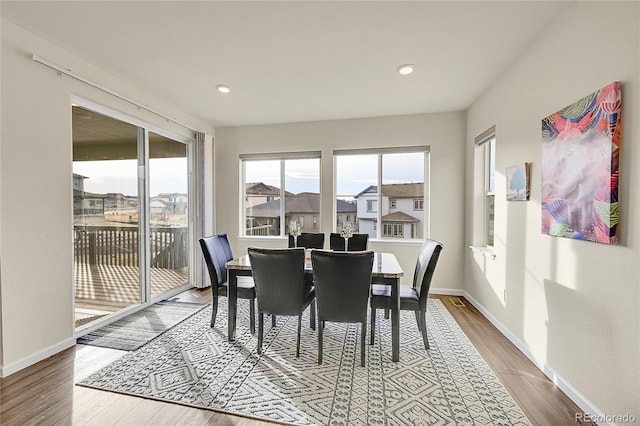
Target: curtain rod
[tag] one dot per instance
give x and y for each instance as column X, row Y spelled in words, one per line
column 70, row 73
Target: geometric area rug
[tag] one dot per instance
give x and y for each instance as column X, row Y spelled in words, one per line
column 195, row 365
column 137, row 329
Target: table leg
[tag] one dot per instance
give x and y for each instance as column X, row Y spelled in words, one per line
column 232, row 293
column 395, row 320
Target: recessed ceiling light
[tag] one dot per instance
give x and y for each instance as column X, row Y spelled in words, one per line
column 222, row 88
column 406, row 69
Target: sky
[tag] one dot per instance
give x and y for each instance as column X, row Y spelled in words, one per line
column 168, row 175
column 354, row 173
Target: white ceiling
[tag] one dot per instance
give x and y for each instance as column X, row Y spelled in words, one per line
column 295, row 61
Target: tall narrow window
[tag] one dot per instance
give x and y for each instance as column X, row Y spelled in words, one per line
column 486, row 142
column 384, row 185
column 490, row 193
column 271, row 178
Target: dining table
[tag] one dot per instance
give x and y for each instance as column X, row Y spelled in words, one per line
column 385, row 270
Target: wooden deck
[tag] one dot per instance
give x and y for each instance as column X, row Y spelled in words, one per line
column 104, row 289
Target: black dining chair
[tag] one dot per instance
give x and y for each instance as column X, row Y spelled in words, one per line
column 308, row 240
column 217, row 252
column 280, row 289
column 342, row 281
column 411, row 298
column 357, row 242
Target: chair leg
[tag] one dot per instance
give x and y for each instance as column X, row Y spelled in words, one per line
column 363, row 339
column 298, row 339
column 422, row 325
column 273, row 320
column 214, row 310
column 386, row 313
column 260, row 330
column 312, row 315
column 417, row 314
column 252, row 315
column 373, row 326
column 320, row 327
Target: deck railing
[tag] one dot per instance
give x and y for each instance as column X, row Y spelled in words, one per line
column 109, row 245
column 259, row 230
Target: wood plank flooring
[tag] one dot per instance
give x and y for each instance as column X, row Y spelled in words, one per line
column 45, row 393
column 541, row 401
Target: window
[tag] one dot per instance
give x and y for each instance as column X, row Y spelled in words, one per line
column 395, row 230
column 383, row 186
column 486, row 143
column 267, row 180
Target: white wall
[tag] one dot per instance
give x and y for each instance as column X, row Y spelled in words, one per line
column 36, row 282
column 443, row 132
column 573, row 305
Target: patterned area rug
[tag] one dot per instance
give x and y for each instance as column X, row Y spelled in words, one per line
column 137, row 329
column 195, row 365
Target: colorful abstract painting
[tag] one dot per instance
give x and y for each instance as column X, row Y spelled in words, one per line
column 580, row 168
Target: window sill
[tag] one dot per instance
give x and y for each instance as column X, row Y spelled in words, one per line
column 486, row 251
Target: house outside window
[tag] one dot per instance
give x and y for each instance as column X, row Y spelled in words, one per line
column 396, row 186
column 278, row 189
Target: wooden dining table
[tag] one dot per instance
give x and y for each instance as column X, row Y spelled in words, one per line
column 386, row 270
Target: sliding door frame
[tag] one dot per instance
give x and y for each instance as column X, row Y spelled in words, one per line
column 143, row 129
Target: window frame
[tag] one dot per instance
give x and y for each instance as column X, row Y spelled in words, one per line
column 380, row 152
column 486, row 142
column 282, row 157
column 397, row 230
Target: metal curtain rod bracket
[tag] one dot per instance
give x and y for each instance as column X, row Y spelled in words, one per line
column 71, row 74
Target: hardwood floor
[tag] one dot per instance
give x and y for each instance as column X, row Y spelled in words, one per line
column 542, row 401
column 45, row 393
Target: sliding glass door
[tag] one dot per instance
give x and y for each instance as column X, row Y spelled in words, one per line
column 131, row 200
column 169, row 213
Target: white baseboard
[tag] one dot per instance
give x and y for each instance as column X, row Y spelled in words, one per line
column 447, row 292
column 7, row 370
column 585, row 405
